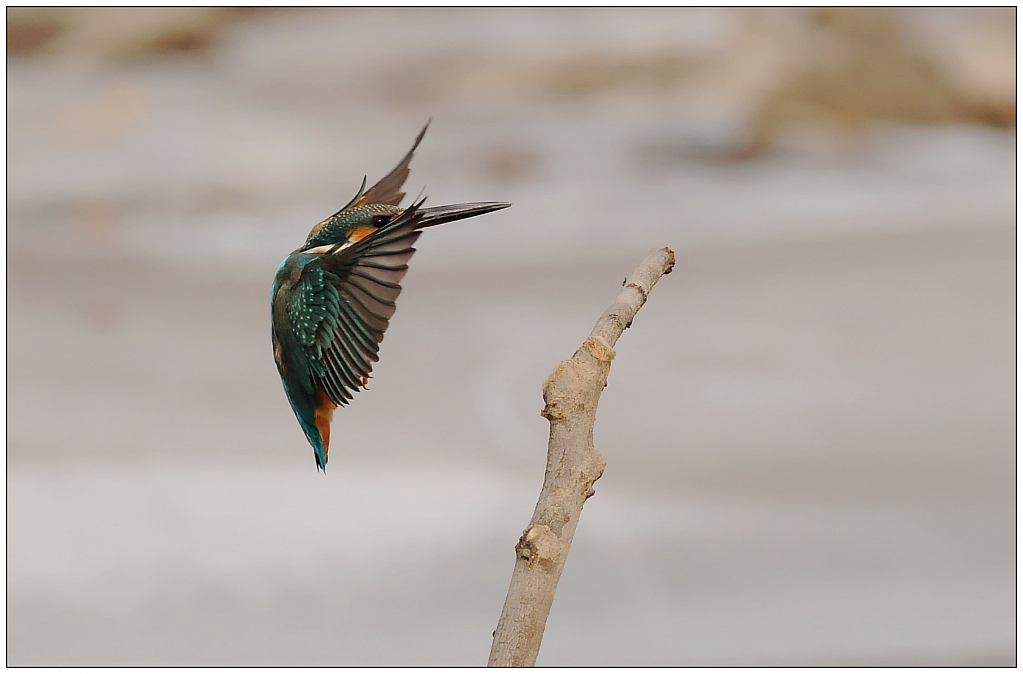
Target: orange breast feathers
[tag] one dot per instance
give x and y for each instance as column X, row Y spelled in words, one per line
column 324, row 413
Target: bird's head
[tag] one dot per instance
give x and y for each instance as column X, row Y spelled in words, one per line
column 350, row 223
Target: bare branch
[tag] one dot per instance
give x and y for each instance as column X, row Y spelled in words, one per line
column 571, row 394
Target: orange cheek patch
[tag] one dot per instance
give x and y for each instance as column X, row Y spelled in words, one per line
column 324, row 413
column 360, row 233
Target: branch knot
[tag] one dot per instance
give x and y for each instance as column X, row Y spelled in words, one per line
column 599, row 348
column 538, row 543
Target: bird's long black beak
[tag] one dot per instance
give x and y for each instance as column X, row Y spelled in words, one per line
column 438, row 215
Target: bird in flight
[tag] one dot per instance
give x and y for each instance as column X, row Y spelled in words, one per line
column 333, row 297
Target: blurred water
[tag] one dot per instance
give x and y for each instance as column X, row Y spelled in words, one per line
column 809, row 429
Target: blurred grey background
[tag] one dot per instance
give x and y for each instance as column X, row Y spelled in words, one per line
column 809, row 429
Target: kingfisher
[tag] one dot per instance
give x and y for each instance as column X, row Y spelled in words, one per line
column 332, row 299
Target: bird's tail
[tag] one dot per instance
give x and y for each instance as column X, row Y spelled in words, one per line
column 314, row 416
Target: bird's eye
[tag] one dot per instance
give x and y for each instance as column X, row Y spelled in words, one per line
column 381, row 220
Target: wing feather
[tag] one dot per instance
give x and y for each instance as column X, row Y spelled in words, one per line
column 341, row 379
column 382, row 294
column 349, row 371
column 378, row 310
column 379, row 277
column 330, row 380
column 366, row 314
column 367, row 339
column 388, row 189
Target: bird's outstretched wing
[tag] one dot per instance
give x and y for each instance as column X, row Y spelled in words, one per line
column 346, row 297
column 387, row 190
column 344, row 303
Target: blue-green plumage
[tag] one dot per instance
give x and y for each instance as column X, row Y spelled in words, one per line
column 332, row 299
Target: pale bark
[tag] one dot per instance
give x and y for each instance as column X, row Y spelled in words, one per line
column 571, row 394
